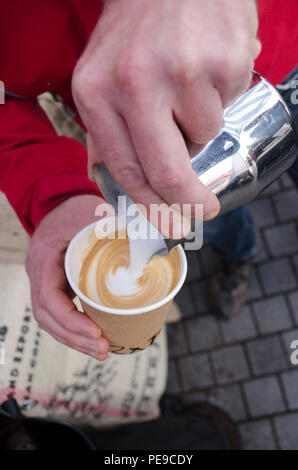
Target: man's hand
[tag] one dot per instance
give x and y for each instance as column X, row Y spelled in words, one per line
column 153, row 69
column 51, row 295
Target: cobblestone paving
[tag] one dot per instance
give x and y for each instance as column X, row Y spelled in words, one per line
column 243, row 365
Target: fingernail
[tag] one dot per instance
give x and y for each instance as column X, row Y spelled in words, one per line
column 102, row 357
column 94, row 351
column 100, row 349
column 210, row 215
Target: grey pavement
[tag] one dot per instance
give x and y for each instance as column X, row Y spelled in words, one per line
column 244, row 364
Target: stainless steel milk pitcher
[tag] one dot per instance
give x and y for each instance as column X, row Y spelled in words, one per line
column 256, row 145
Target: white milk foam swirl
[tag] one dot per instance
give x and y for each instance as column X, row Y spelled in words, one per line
column 110, row 280
column 124, row 281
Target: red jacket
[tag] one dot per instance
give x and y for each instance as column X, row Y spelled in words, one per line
column 40, row 42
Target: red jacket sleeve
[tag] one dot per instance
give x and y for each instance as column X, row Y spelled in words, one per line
column 278, row 32
column 38, row 169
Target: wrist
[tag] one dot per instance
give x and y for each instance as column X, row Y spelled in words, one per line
column 68, row 217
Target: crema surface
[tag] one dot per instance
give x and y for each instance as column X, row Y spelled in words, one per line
column 107, row 279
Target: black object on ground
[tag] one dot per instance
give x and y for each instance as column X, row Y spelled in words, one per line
column 18, row 432
column 199, row 426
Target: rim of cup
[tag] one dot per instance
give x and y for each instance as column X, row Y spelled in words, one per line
column 118, row 311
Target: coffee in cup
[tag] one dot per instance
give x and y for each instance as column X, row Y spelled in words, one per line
column 107, row 278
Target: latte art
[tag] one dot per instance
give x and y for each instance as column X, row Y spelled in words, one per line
column 107, row 279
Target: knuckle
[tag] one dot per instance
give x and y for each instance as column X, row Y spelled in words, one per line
column 186, row 73
column 232, row 75
column 132, row 70
column 85, row 81
column 189, row 63
column 233, row 67
column 132, row 176
column 167, row 178
column 186, row 78
column 80, row 83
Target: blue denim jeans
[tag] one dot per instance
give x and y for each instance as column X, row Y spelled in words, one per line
column 233, row 234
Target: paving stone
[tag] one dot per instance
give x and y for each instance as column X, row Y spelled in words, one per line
column 195, row 372
column 203, row 333
column 287, row 431
column 240, row 327
column 290, row 336
column 286, row 204
column 228, row 398
column 230, row 364
column 176, row 339
column 290, row 384
column 209, row 259
column 293, row 299
column 257, row 435
column 253, row 288
column 200, row 292
column 272, row 314
column 266, row 355
column 282, row 239
column 262, row 213
column 288, row 339
column 194, row 269
column 262, row 254
column 264, row 396
column 185, row 301
column 277, row 276
column 172, row 381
